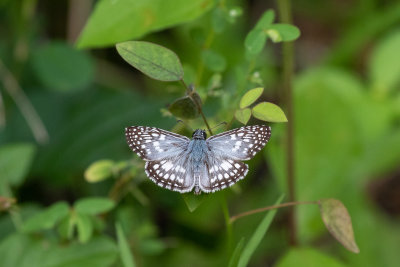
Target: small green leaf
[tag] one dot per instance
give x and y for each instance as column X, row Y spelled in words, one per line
column 193, row 201
column 99, row 171
column 61, row 67
column 257, row 236
column 269, row 112
column 250, row 97
column 243, row 115
column 153, row 60
column 213, row 60
column 123, row 247
column 233, row 262
column 47, row 218
column 338, row 222
column 307, row 257
column 84, row 226
column 15, row 160
column 283, row 32
column 266, row 20
column 255, row 41
column 67, row 226
column 184, row 108
column 93, row 205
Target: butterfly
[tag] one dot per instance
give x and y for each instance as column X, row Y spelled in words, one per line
column 206, row 165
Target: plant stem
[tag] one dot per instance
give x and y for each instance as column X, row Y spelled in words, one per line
column 288, row 63
column 228, row 222
column 199, row 108
column 287, row 204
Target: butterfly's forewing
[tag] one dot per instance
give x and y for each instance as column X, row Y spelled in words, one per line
column 151, row 143
column 241, row 143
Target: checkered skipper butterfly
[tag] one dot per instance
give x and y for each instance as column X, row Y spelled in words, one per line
column 177, row 163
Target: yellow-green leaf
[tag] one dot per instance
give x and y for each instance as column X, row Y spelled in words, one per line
column 250, row 97
column 243, row 115
column 269, row 112
column 99, row 170
column 338, row 222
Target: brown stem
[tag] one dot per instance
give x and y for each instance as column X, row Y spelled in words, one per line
column 287, row 204
column 288, row 63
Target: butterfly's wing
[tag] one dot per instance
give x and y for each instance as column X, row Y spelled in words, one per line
column 240, row 143
column 151, row 143
column 223, row 166
column 166, row 156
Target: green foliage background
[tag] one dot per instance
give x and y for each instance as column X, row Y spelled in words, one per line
column 73, row 194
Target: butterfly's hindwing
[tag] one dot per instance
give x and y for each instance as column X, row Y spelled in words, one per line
column 241, row 143
column 151, row 143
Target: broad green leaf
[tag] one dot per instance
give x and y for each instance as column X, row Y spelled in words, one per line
column 117, row 21
column 257, row 236
column 250, row 97
column 305, row 257
column 99, row 252
column 123, row 247
column 269, row 112
column 155, row 61
column 266, row 20
column 283, row 32
column 61, row 67
column 384, row 65
column 15, row 160
column 84, row 226
column 185, row 108
column 213, row 60
column 243, row 115
column 47, row 218
column 255, row 41
column 93, row 205
column 99, row 171
column 193, row 201
column 338, row 222
column 233, row 262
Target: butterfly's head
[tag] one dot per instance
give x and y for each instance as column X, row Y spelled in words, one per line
column 199, row 135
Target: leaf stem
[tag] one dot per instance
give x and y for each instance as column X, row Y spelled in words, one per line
column 288, row 63
column 199, row 108
column 287, row 204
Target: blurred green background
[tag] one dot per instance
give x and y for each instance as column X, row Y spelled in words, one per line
column 66, row 97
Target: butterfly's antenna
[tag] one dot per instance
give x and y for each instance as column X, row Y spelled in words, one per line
column 219, row 124
column 185, row 124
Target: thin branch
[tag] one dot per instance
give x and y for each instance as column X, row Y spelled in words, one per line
column 22, row 101
column 287, row 204
column 199, row 108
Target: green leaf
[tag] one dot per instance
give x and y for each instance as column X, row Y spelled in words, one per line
column 61, row 67
column 47, row 218
column 307, row 257
column 257, row 236
column 243, row 115
column 338, row 222
column 213, row 60
column 218, row 20
column 283, row 32
column 84, row 226
column 155, row 61
column 99, row 171
column 250, row 97
column 93, row 205
column 266, row 20
column 185, row 108
column 384, row 66
column 193, row 201
column 233, row 262
column 117, row 21
column 123, row 247
column 15, row 161
column 255, row 41
column 269, row 112
column 67, row 226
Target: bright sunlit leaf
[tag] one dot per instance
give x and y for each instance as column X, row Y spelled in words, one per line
column 155, row 61
column 99, row 171
column 250, row 97
column 269, row 112
column 243, row 115
column 283, row 32
column 338, row 222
